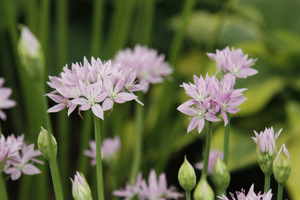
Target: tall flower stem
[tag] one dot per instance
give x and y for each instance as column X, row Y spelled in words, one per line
column 138, row 141
column 188, row 195
column 3, row 192
column 96, row 42
column 280, row 191
column 207, row 147
column 100, row 186
column 226, row 140
column 55, row 176
column 267, row 182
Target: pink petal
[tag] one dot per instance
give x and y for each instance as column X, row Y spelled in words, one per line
column 30, row 169
column 56, row 108
column 107, row 104
column 201, row 123
column 124, row 96
column 97, row 110
column 192, row 124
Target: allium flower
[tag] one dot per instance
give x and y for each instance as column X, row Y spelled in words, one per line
column 88, row 85
column 80, row 190
column 149, row 66
column 251, row 195
column 157, row 189
column 19, row 162
column 7, row 149
column 5, row 102
column 234, row 62
column 266, row 140
column 131, row 190
column 213, row 154
column 108, row 149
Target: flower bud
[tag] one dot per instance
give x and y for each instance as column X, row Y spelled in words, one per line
column 203, row 190
column 80, row 188
column 221, row 176
column 282, row 165
column 31, row 54
column 44, row 144
column 187, row 176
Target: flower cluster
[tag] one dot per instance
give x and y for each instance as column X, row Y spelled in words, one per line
column 17, row 157
column 234, row 62
column 155, row 189
column 250, row 195
column 109, row 148
column 149, row 66
column 209, row 98
column 5, row 102
column 87, row 85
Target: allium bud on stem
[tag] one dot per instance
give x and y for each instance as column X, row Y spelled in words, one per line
column 44, row 144
column 221, row 175
column 282, row 165
column 187, row 176
column 80, row 188
column 203, row 190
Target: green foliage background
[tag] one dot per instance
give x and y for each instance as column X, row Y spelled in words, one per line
column 267, row 30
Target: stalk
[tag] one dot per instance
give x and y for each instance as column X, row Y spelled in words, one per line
column 267, row 182
column 226, row 140
column 188, row 195
column 207, row 148
column 280, row 191
column 3, row 192
column 100, row 186
column 97, row 31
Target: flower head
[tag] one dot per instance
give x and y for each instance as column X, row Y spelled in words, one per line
column 5, row 102
column 157, row 189
column 130, row 190
column 109, row 148
column 96, row 86
column 149, row 66
column 234, row 62
column 80, row 189
column 251, row 195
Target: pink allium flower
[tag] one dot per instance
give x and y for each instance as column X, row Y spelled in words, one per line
column 20, row 158
column 266, row 140
column 5, row 102
column 251, row 195
column 130, row 190
column 81, row 190
column 149, row 66
column 88, row 85
column 157, row 189
column 213, row 154
column 234, row 62
column 7, row 149
column 109, row 148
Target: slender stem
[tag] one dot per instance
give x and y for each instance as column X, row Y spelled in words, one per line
column 100, row 186
column 207, row 147
column 188, row 195
column 226, row 140
column 280, row 191
column 97, row 27
column 55, row 177
column 176, row 44
column 138, row 141
column 267, row 182
column 3, row 192
column 148, row 22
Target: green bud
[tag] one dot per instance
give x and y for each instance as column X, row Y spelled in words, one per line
column 80, row 188
column 282, row 165
column 44, row 144
column 203, row 190
column 31, row 54
column 187, row 176
column 221, row 176
column 265, row 161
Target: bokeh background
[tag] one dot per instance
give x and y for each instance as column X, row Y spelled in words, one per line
column 184, row 31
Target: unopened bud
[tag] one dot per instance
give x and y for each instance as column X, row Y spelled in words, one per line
column 44, row 144
column 221, row 176
column 80, row 188
column 31, row 53
column 187, row 176
column 282, row 165
column 203, row 190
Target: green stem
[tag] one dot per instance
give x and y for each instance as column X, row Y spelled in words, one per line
column 97, row 28
column 100, row 186
column 207, row 147
column 138, row 141
column 3, row 192
column 219, row 192
column 188, row 195
column 55, row 176
column 226, row 140
column 267, row 182
column 280, row 191
column 177, row 41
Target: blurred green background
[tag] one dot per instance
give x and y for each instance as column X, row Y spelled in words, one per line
column 68, row 30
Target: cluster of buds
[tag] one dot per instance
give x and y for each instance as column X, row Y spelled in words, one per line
column 17, row 157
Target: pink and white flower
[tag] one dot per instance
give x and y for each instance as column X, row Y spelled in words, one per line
column 5, row 102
